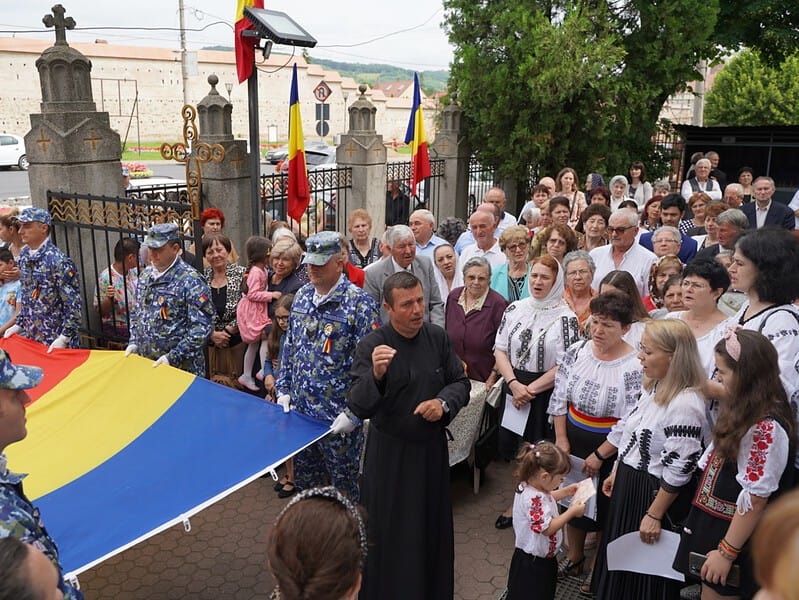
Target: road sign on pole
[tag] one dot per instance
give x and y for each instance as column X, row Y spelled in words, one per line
column 322, row 91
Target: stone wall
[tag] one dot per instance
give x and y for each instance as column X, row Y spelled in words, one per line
column 119, row 72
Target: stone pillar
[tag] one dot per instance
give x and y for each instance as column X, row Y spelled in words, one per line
column 226, row 185
column 451, row 146
column 362, row 149
column 71, row 145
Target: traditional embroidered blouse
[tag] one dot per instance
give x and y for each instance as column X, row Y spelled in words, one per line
column 550, row 330
column 665, row 441
column 706, row 343
column 533, row 511
column 762, row 458
column 599, row 388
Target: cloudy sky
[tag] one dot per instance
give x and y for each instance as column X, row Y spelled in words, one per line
column 410, row 30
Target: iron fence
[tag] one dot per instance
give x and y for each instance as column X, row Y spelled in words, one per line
column 88, row 227
column 428, row 193
column 481, row 179
column 327, row 209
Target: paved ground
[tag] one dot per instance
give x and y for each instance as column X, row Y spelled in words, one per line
column 223, row 556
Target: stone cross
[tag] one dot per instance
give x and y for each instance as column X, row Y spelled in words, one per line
column 60, row 23
column 193, row 154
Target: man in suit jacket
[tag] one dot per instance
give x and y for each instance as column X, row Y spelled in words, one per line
column 672, row 210
column 403, row 257
column 764, row 211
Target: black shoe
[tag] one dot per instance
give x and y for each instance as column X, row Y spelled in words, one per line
column 503, row 522
column 287, row 490
column 280, row 483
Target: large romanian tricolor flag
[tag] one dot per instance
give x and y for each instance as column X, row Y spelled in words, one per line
column 299, row 194
column 117, row 451
column 245, row 53
column 415, row 136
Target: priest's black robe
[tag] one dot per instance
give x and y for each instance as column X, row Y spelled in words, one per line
column 405, row 487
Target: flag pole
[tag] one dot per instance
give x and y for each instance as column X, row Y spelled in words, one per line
column 255, row 150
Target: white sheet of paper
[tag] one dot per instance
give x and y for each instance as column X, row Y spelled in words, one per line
column 515, row 419
column 629, row 553
column 577, row 476
column 585, row 490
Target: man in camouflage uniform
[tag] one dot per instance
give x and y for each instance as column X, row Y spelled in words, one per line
column 18, row 517
column 49, row 288
column 328, row 318
column 173, row 316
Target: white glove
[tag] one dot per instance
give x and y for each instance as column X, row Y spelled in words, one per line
column 131, row 349
column 342, row 424
column 60, row 342
column 12, row 330
column 163, row 360
column 284, row 400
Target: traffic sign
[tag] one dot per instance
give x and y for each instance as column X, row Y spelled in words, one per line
column 322, row 128
column 322, row 91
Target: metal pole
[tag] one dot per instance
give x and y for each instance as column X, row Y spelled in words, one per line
column 255, row 150
column 183, row 65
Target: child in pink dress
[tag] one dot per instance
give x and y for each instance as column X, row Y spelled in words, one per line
column 537, row 523
column 252, row 313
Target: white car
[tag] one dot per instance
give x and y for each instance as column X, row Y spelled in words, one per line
column 12, row 151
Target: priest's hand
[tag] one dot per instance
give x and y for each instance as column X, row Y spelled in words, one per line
column 430, row 410
column 382, row 356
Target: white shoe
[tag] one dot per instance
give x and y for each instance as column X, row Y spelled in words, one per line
column 248, row 382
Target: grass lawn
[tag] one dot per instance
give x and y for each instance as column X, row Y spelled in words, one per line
column 146, row 154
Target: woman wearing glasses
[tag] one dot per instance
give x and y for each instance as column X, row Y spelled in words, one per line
column 510, row 280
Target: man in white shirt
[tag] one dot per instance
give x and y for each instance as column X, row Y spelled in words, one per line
column 701, row 182
column 422, row 222
column 623, row 253
column 482, row 226
column 496, row 196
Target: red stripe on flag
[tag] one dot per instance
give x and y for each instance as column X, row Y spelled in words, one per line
column 299, row 195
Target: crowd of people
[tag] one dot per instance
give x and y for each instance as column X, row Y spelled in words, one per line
column 641, row 338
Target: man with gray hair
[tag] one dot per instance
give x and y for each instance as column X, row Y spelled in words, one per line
column 623, row 253
column 764, row 211
column 701, row 182
column 666, row 240
column 422, row 223
column 403, row 257
column 467, row 237
column 483, row 228
column 734, row 195
column 729, row 225
column 496, row 196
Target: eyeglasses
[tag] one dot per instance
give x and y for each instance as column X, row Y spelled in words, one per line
column 693, row 285
column 580, row 273
column 512, row 247
column 282, row 319
column 619, row 230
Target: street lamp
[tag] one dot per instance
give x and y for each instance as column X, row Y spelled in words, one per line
column 346, row 95
column 229, row 88
column 274, row 27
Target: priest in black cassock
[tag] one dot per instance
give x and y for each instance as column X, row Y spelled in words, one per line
column 410, row 383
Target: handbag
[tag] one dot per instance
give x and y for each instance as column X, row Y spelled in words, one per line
column 495, row 393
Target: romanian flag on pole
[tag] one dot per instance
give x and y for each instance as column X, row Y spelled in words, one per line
column 245, row 52
column 415, row 136
column 299, row 194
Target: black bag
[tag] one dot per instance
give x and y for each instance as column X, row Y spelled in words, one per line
column 486, row 447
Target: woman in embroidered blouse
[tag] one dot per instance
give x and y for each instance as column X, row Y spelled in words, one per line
column 364, row 249
column 224, row 279
column 531, row 340
column 510, row 280
column 597, row 382
column 765, row 266
column 659, row 442
column 743, row 466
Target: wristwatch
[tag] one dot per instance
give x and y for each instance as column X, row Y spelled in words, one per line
column 445, row 406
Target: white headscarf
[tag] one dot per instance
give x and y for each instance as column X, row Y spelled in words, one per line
column 555, row 295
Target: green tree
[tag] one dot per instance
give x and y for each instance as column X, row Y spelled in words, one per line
column 577, row 82
column 750, row 92
column 768, row 26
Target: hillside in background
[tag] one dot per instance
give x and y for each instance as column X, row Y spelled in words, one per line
column 431, row 81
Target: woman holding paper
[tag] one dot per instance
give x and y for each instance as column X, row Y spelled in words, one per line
column 531, row 340
column 743, row 467
column 659, row 442
column 597, row 382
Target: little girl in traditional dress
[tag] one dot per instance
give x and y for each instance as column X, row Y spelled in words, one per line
column 537, row 522
column 252, row 313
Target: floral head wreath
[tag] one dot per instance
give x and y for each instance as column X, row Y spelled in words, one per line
column 333, row 494
column 731, row 342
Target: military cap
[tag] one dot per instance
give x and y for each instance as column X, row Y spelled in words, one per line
column 320, row 247
column 17, row 377
column 33, row 214
column 161, row 234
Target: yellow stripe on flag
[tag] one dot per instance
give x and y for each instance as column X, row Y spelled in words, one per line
column 92, row 414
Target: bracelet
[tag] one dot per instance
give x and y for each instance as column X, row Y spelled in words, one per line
column 494, row 371
column 599, row 456
column 511, row 381
column 725, row 554
column 730, row 546
column 653, row 518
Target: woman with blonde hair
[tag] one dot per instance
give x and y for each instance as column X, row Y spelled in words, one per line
column 566, row 185
column 364, row 249
column 510, row 280
column 659, row 442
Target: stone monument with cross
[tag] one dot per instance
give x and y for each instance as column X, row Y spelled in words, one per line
column 451, row 146
column 71, row 145
column 226, row 184
column 362, row 149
